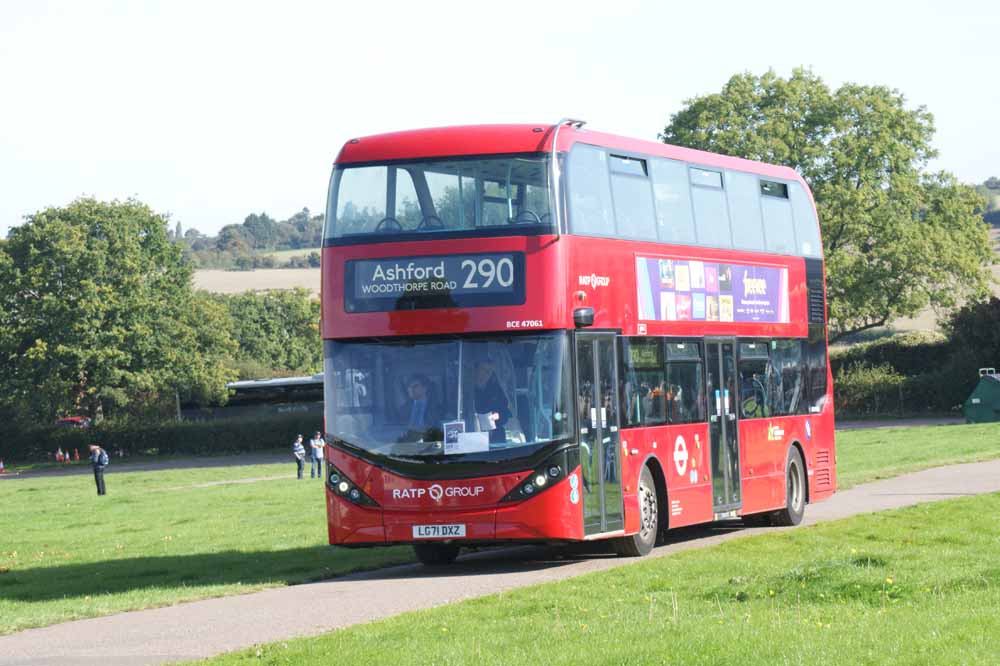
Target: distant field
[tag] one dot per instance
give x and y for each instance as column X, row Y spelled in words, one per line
column 236, row 282
column 285, row 255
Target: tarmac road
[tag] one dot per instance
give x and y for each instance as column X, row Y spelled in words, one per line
column 205, row 628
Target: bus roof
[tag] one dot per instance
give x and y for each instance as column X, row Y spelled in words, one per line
column 524, row 138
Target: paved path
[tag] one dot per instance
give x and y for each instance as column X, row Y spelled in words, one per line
column 899, row 423
column 204, row 628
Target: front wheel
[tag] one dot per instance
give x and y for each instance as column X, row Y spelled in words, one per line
column 436, row 554
column 642, row 543
column 795, row 491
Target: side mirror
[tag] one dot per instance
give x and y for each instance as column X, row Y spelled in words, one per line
column 583, row 317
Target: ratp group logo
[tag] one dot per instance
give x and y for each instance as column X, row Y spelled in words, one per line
column 594, row 280
column 436, row 492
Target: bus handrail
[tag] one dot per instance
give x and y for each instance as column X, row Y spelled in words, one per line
column 576, row 124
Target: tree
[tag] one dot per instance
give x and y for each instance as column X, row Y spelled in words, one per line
column 178, row 232
column 896, row 238
column 278, row 330
column 97, row 313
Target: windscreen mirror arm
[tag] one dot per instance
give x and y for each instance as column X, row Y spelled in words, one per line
column 556, row 172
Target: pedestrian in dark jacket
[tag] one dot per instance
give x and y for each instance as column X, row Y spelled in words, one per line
column 99, row 460
column 299, row 452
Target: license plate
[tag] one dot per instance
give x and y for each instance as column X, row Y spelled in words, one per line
column 438, row 531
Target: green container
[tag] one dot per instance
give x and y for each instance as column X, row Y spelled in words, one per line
column 983, row 406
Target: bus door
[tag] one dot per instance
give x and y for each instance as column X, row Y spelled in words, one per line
column 723, row 397
column 597, row 400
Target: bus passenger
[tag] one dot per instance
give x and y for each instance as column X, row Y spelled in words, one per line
column 491, row 400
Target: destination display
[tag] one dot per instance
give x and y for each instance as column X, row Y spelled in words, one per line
column 690, row 290
column 447, row 281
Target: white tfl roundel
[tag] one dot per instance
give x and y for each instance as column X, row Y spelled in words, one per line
column 680, row 455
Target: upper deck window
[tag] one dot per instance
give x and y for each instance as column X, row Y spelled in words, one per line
column 502, row 195
column 806, row 226
column 633, row 196
column 710, row 211
column 590, row 208
column 744, row 207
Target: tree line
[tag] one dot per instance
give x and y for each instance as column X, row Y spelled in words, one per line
column 245, row 246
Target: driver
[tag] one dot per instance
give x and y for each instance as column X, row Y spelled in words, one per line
column 419, row 410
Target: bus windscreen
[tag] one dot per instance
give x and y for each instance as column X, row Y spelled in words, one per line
column 490, row 398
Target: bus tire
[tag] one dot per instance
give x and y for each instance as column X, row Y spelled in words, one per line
column 436, row 554
column 642, row 543
column 795, row 491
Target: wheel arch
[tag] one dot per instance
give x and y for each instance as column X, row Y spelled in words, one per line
column 660, row 481
column 805, row 466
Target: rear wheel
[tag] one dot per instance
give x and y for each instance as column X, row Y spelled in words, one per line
column 795, row 491
column 436, row 554
column 641, row 543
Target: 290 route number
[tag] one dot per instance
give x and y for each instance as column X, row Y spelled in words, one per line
column 488, row 270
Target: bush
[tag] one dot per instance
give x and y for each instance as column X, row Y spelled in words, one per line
column 862, row 389
column 163, row 438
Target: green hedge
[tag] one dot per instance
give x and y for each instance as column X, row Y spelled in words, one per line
column 908, row 354
column 167, row 438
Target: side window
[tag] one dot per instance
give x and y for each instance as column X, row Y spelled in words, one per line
column 710, row 212
column 744, row 208
column 685, row 387
column 806, row 225
column 778, row 225
column 815, row 366
column 753, row 373
column 672, row 191
column 643, row 381
column 786, row 376
column 590, row 211
column 633, row 198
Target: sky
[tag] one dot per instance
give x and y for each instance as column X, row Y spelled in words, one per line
column 211, row 110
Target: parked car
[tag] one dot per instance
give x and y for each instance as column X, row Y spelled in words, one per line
column 74, row 422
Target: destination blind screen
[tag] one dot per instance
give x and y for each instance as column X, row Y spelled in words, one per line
column 448, row 281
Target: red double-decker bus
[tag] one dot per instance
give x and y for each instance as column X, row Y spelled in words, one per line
column 550, row 334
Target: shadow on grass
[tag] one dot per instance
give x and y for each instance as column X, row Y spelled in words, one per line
column 293, row 566
column 117, row 576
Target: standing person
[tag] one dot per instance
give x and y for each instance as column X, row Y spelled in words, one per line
column 299, row 452
column 316, row 445
column 99, row 459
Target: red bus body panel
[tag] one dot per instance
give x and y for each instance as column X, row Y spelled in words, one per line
column 554, row 269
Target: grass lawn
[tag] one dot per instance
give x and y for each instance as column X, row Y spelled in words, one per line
column 163, row 537
column 915, row 586
column 879, row 453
